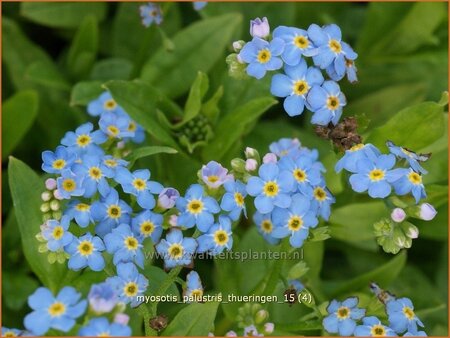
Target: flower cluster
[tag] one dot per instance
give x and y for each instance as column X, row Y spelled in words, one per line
column 377, row 173
column 346, row 319
column 301, row 85
column 290, row 192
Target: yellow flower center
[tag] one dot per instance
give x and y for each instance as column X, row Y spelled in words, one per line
column 266, row 226
column 147, row 228
column 197, row 294
column 408, row 312
column 357, row 147
column 299, row 175
column 414, row 178
column 131, row 126
column 300, row 87
column 130, row 289
column 95, row 173
column 320, row 194
column 271, row 189
column 113, row 130
column 82, row 207
column 59, row 164
column 213, row 179
column 378, row 331
column 114, row 211
column 264, row 56
column 195, row 207
column 221, row 237
column 69, row 185
column 58, row 232
column 335, row 46
column 176, row 251
column 239, row 199
column 295, row 223
column 104, row 334
column 9, row 334
column 376, row 175
column 139, row 184
column 110, row 104
column 111, row 163
column 131, row 243
column 56, row 309
column 83, row 140
column 332, row 102
column 85, row 248
column 343, row 312
column 301, row 41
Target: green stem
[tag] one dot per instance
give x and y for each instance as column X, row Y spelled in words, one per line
column 274, row 274
column 171, row 277
column 144, row 312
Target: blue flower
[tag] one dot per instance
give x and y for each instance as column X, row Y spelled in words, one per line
column 86, row 251
column 100, row 327
column 55, row 162
column 415, row 333
column 295, row 221
column 214, row 175
column 354, row 154
column 296, row 284
column 167, row 198
column 197, row 209
column 322, row 200
column 124, row 245
column 6, row 332
column 303, row 173
column 350, row 70
column 83, row 140
column 148, row 224
column 332, row 51
column 150, row 13
column 79, row 211
column 194, row 287
column 326, row 103
column 102, row 298
column 176, row 250
column 103, row 104
column 372, row 327
column 271, row 189
column 57, row 234
column 342, row 316
column 199, row 5
column 297, row 44
column 285, row 146
column 138, row 184
column 69, row 184
column 114, row 163
column 218, row 237
column 139, row 132
column 401, row 315
column 128, row 284
column 410, row 181
column 295, row 85
column 115, row 125
column 233, row 200
column 412, row 158
column 94, row 174
column 265, row 227
column 57, row 312
column 262, row 56
column 375, row 176
column 110, row 211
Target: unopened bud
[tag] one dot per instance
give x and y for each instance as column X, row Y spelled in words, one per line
column 57, row 194
column 261, row 316
column 121, row 318
column 270, row 158
column 238, row 165
column 173, row 220
column 57, row 215
column 46, row 196
column 427, row 212
column 237, row 45
column 269, row 327
column 251, row 165
column 398, row 215
column 259, row 28
column 231, row 334
column 45, row 207
column 54, row 205
column 50, row 183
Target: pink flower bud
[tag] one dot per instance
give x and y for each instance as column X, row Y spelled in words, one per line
column 50, row 183
column 57, row 194
column 270, row 158
column 251, row 164
column 427, row 212
column 259, row 28
column 121, row 318
column 173, row 220
column 398, row 215
column 269, row 327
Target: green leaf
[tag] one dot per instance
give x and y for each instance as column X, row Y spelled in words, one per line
column 353, row 223
column 112, row 69
column 18, row 286
column 157, row 276
column 383, row 275
column 309, row 325
column 211, row 108
column 84, row 92
column 196, row 94
column 46, row 74
column 148, row 151
column 26, row 187
column 197, row 48
column 194, row 320
column 139, row 101
column 413, row 127
column 62, row 15
column 234, row 125
column 84, row 47
column 19, row 113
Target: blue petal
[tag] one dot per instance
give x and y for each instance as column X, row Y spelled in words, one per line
column 263, row 204
column 257, row 70
column 379, row 189
column 359, row 182
column 281, row 85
